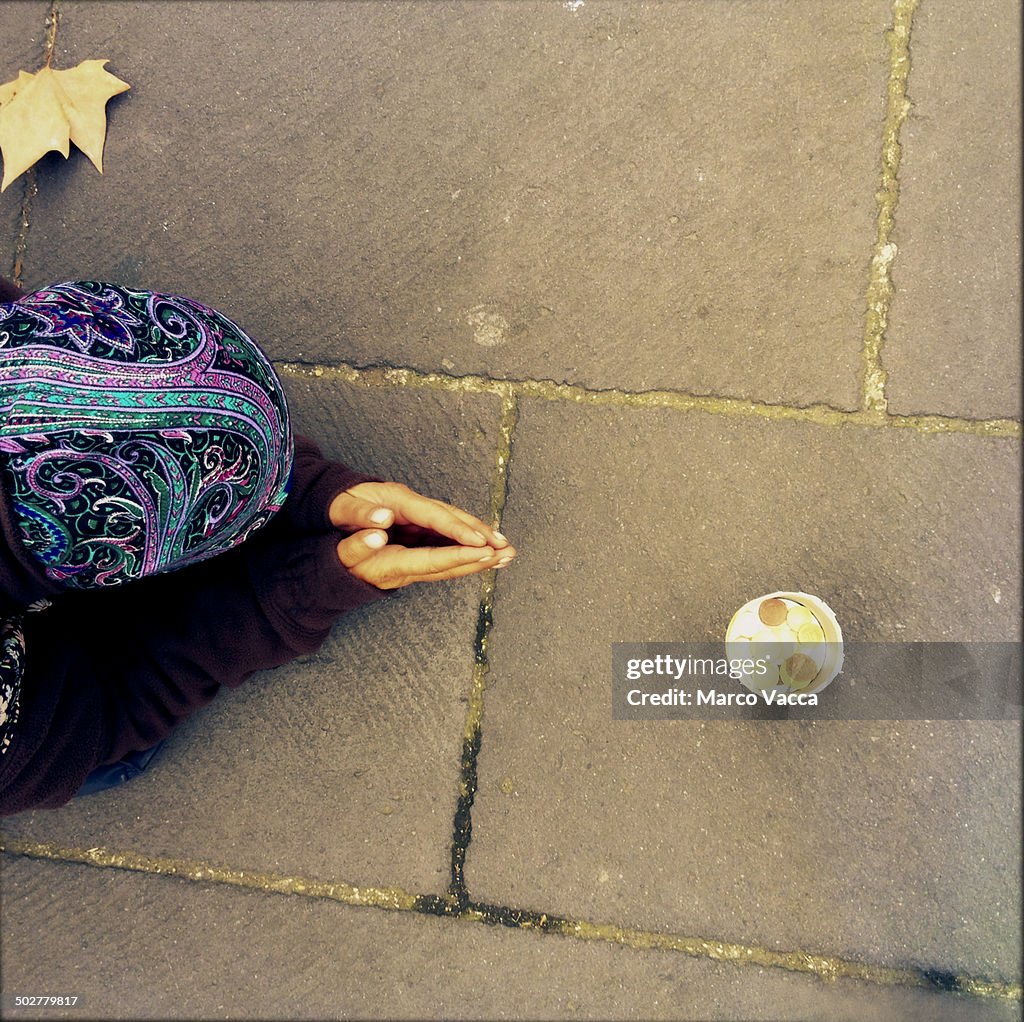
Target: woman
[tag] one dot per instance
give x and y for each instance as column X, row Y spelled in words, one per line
column 162, row 533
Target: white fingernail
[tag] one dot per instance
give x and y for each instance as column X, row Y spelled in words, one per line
column 380, row 516
column 500, row 538
column 376, row 540
column 483, row 539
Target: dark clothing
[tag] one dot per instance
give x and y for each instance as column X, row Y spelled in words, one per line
column 107, row 670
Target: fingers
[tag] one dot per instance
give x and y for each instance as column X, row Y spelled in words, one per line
column 412, row 508
column 367, row 556
column 496, row 539
column 349, row 511
column 466, row 569
column 358, row 547
column 432, row 514
column 421, row 562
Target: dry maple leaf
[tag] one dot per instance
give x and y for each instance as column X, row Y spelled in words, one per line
column 51, row 109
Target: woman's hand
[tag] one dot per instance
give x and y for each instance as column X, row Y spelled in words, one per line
column 449, row 542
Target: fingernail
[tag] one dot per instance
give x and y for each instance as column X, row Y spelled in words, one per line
column 500, row 538
column 380, row 516
column 504, row 561
column 483, row 539
column 376, row 540
column 486, row 557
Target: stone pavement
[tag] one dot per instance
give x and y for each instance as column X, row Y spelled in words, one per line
column 697, row 300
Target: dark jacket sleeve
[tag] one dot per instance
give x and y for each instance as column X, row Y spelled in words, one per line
column 108, row 672
column 316, row 481
column 9, row 291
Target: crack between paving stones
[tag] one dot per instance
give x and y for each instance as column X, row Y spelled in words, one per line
column 880, row 289
column 380, row 897
column 29, row 191
column 826, row 967
column 462, row 824
column 52, row 25
column 30, row 187
column 820, row 414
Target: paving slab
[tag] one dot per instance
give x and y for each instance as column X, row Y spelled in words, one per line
column 953, row 344
column 887, row 841
column 343, row 765
column 23, row 30
column 136, row 946
column 623, row 195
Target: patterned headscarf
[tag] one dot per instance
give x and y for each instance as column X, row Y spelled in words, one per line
column 139, row 432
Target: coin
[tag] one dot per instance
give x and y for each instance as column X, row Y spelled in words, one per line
column 798, row 671
column 745, row 624
column 798, row 616
column 811, row 633
column 772, row 612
